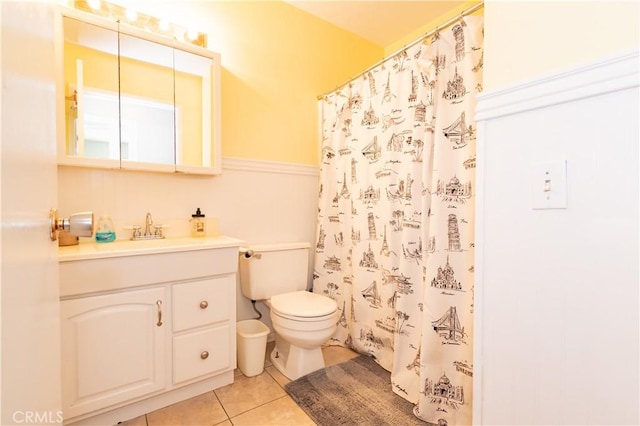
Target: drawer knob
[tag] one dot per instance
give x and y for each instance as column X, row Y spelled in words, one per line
column 204, row 354
column 204, row 304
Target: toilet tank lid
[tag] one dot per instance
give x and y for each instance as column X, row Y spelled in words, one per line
column 303, row 304
column 277, row 246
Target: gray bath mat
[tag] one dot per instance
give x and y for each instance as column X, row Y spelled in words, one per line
column 356, row 392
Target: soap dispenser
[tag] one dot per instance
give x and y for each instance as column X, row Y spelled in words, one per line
column 198, row 224
column 105, row 232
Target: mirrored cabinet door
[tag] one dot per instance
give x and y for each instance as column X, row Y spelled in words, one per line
column 147, row 111
column 194, row 107
column 91, row 87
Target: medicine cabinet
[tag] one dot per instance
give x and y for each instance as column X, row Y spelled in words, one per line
column 129, row 99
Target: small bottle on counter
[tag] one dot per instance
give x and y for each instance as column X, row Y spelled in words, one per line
column 105, row 232
column 198, row 224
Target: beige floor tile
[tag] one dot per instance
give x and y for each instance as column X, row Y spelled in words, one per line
column 283, row 411
column 225, row 423
column 337, row 354
column 201, row 410
column 246, row 393
column 277, row 375
column 138, row 421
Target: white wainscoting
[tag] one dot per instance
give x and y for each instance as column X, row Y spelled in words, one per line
column 556, row 294
column 256, row 201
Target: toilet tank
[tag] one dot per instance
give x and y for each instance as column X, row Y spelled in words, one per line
column 273, row 269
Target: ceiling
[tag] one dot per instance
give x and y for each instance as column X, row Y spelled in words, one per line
column 380, row 22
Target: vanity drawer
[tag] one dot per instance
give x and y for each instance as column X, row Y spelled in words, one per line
column 200, row 353
column 202, row 302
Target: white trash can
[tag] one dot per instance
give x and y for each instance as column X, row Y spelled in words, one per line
column 252, row 346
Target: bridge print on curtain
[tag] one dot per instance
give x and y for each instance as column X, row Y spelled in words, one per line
column 396, row 217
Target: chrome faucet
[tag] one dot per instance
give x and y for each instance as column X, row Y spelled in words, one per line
column 151, row 231
column 148, row 224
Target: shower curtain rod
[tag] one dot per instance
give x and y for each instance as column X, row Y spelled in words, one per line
column 413, row 43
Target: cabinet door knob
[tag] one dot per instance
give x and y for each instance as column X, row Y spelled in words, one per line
column 204, row 304
column 204, row 354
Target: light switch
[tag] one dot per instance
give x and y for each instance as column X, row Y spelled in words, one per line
column 549, row 185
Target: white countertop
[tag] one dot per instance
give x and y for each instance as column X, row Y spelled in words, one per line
column 119, row 248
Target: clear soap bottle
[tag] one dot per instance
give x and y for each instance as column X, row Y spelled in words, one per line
column 105, row 232
column 198, row 224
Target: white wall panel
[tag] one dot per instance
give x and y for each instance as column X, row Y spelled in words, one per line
column 557, row 290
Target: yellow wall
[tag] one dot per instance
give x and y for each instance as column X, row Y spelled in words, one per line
column 283, row 58
column 524, row 39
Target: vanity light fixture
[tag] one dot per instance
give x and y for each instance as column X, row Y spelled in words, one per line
column 142, row 21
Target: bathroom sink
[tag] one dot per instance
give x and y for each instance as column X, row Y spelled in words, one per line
column 119, row 248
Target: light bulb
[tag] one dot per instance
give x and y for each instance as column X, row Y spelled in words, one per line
column 164, row 25
column 94, row 4
column 192, row 34
column 131, row 14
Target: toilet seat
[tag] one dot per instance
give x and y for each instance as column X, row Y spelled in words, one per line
column 303, row 306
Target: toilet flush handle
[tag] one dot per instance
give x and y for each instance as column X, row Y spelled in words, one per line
column 249, row 254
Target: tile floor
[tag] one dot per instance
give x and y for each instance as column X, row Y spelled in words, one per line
column 255, row 401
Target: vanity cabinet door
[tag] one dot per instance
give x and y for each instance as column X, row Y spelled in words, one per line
column 113, row 349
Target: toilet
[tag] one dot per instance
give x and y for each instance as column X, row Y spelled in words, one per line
column 302, row 321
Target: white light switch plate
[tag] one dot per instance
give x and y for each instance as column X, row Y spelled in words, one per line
column 549, row 185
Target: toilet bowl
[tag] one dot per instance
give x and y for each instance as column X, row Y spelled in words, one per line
column 302, row 321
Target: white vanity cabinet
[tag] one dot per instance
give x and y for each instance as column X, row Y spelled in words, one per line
column 145, row 325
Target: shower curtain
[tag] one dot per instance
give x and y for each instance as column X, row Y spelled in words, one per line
column 395, row 232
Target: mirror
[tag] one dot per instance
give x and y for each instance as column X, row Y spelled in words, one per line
column 147, row 110
column 137, row 101
column 193, row 78
column 91, row 79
